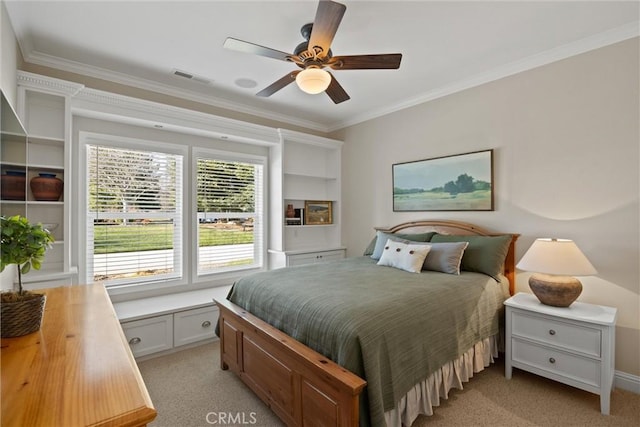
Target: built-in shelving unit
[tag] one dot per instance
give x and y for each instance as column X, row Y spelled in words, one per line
column 304, row 168
column 43, row 107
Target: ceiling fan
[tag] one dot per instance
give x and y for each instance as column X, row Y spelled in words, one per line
column 314, row 54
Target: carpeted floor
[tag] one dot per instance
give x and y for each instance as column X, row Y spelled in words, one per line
column 188, row 388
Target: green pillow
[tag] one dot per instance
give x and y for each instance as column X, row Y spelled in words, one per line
column 381, row 238
column 485, row 254
column 370, row 247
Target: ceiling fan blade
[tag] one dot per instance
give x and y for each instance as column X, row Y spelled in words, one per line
column 279, row 84
column 366, row 62
column 336, row 92
column 328, row 17
column 246, row 47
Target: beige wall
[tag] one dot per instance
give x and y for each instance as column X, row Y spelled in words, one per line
column 566, row 164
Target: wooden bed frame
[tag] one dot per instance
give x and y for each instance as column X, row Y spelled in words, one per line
column 300, row 385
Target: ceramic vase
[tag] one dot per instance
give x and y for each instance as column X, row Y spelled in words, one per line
column 13, row 185
column 46, row 187
column 291, row 213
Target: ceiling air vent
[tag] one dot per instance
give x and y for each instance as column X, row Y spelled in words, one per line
column 190, row 76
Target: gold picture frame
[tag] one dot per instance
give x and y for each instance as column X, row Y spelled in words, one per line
column 318, row 212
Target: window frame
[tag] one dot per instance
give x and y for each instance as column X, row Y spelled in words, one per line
column 261, row 252
column 128, row 143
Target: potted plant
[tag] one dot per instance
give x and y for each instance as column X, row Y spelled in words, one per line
column 23, row 244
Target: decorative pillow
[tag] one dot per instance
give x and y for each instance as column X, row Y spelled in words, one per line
column 408, row 257
column 382, row 237
column 445, row 257
column 485, row 254
column 368, row 251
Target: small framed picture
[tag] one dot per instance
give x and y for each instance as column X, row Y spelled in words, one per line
column 318, row 212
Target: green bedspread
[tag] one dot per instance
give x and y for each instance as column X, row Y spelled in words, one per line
column 388, row 326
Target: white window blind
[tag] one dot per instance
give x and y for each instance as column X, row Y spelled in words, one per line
column 230, row 214
column 134, row 215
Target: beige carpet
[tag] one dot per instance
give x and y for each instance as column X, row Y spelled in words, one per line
column 189, row 389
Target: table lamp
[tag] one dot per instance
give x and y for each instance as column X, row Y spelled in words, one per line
column 554, row 262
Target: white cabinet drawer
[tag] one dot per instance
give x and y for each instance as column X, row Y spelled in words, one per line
column 565, row 365
column 194, row 325
column 569, row 336
column 149, row 335
column 314, row 257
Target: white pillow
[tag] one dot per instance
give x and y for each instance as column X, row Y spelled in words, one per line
column 405, row 256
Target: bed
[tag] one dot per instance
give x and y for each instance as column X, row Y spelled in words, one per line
column 351, row 342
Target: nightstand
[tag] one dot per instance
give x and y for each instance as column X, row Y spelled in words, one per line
column 574, row 345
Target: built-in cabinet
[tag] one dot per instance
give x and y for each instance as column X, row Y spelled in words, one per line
column 165, row 323
column 305, row 168
column 43, row 108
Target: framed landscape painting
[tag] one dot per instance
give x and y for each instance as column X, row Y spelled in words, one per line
column 462, row 182
column 318, row 212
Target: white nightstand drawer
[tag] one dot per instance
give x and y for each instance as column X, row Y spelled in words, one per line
column 562, row 334
column 577, row 368
column 194, row 325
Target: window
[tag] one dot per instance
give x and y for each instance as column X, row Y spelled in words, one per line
column 229, row 199
column 134, row 215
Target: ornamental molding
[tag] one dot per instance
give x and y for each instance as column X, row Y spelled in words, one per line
column 48, row 84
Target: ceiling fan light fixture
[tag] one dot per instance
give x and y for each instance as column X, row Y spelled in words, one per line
column 313, row 80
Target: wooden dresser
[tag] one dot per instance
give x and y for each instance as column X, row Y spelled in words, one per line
column 77, row 370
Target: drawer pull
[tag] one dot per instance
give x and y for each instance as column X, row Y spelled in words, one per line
column 552, row 360
column 552, row 332
column 206, row 324
column 135, row 340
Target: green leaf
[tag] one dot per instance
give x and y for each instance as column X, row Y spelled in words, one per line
column 26, row 267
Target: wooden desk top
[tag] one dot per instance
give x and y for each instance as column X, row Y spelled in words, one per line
column 77, row 370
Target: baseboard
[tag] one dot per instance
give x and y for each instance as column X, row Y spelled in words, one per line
column 626, row 382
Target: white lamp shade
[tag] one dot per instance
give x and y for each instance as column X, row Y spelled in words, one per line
column 313, row 80
column 556, row 256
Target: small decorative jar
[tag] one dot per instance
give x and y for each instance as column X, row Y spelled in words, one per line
column 46, row 187
column 291, row 213
column 13, row 185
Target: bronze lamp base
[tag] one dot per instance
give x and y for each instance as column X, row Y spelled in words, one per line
column 558, row 291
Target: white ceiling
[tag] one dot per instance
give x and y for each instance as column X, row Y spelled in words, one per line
column 447, row 46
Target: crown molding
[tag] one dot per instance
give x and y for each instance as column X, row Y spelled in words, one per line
column 596, row 41
column 51, row 61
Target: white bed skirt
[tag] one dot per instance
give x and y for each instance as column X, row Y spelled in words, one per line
column 424, row 396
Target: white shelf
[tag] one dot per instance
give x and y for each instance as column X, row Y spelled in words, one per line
column 43, row 203
column 295, row 175
column 38, row 139
column 9, row 164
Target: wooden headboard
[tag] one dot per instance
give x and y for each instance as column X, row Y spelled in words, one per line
column 462, row 229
